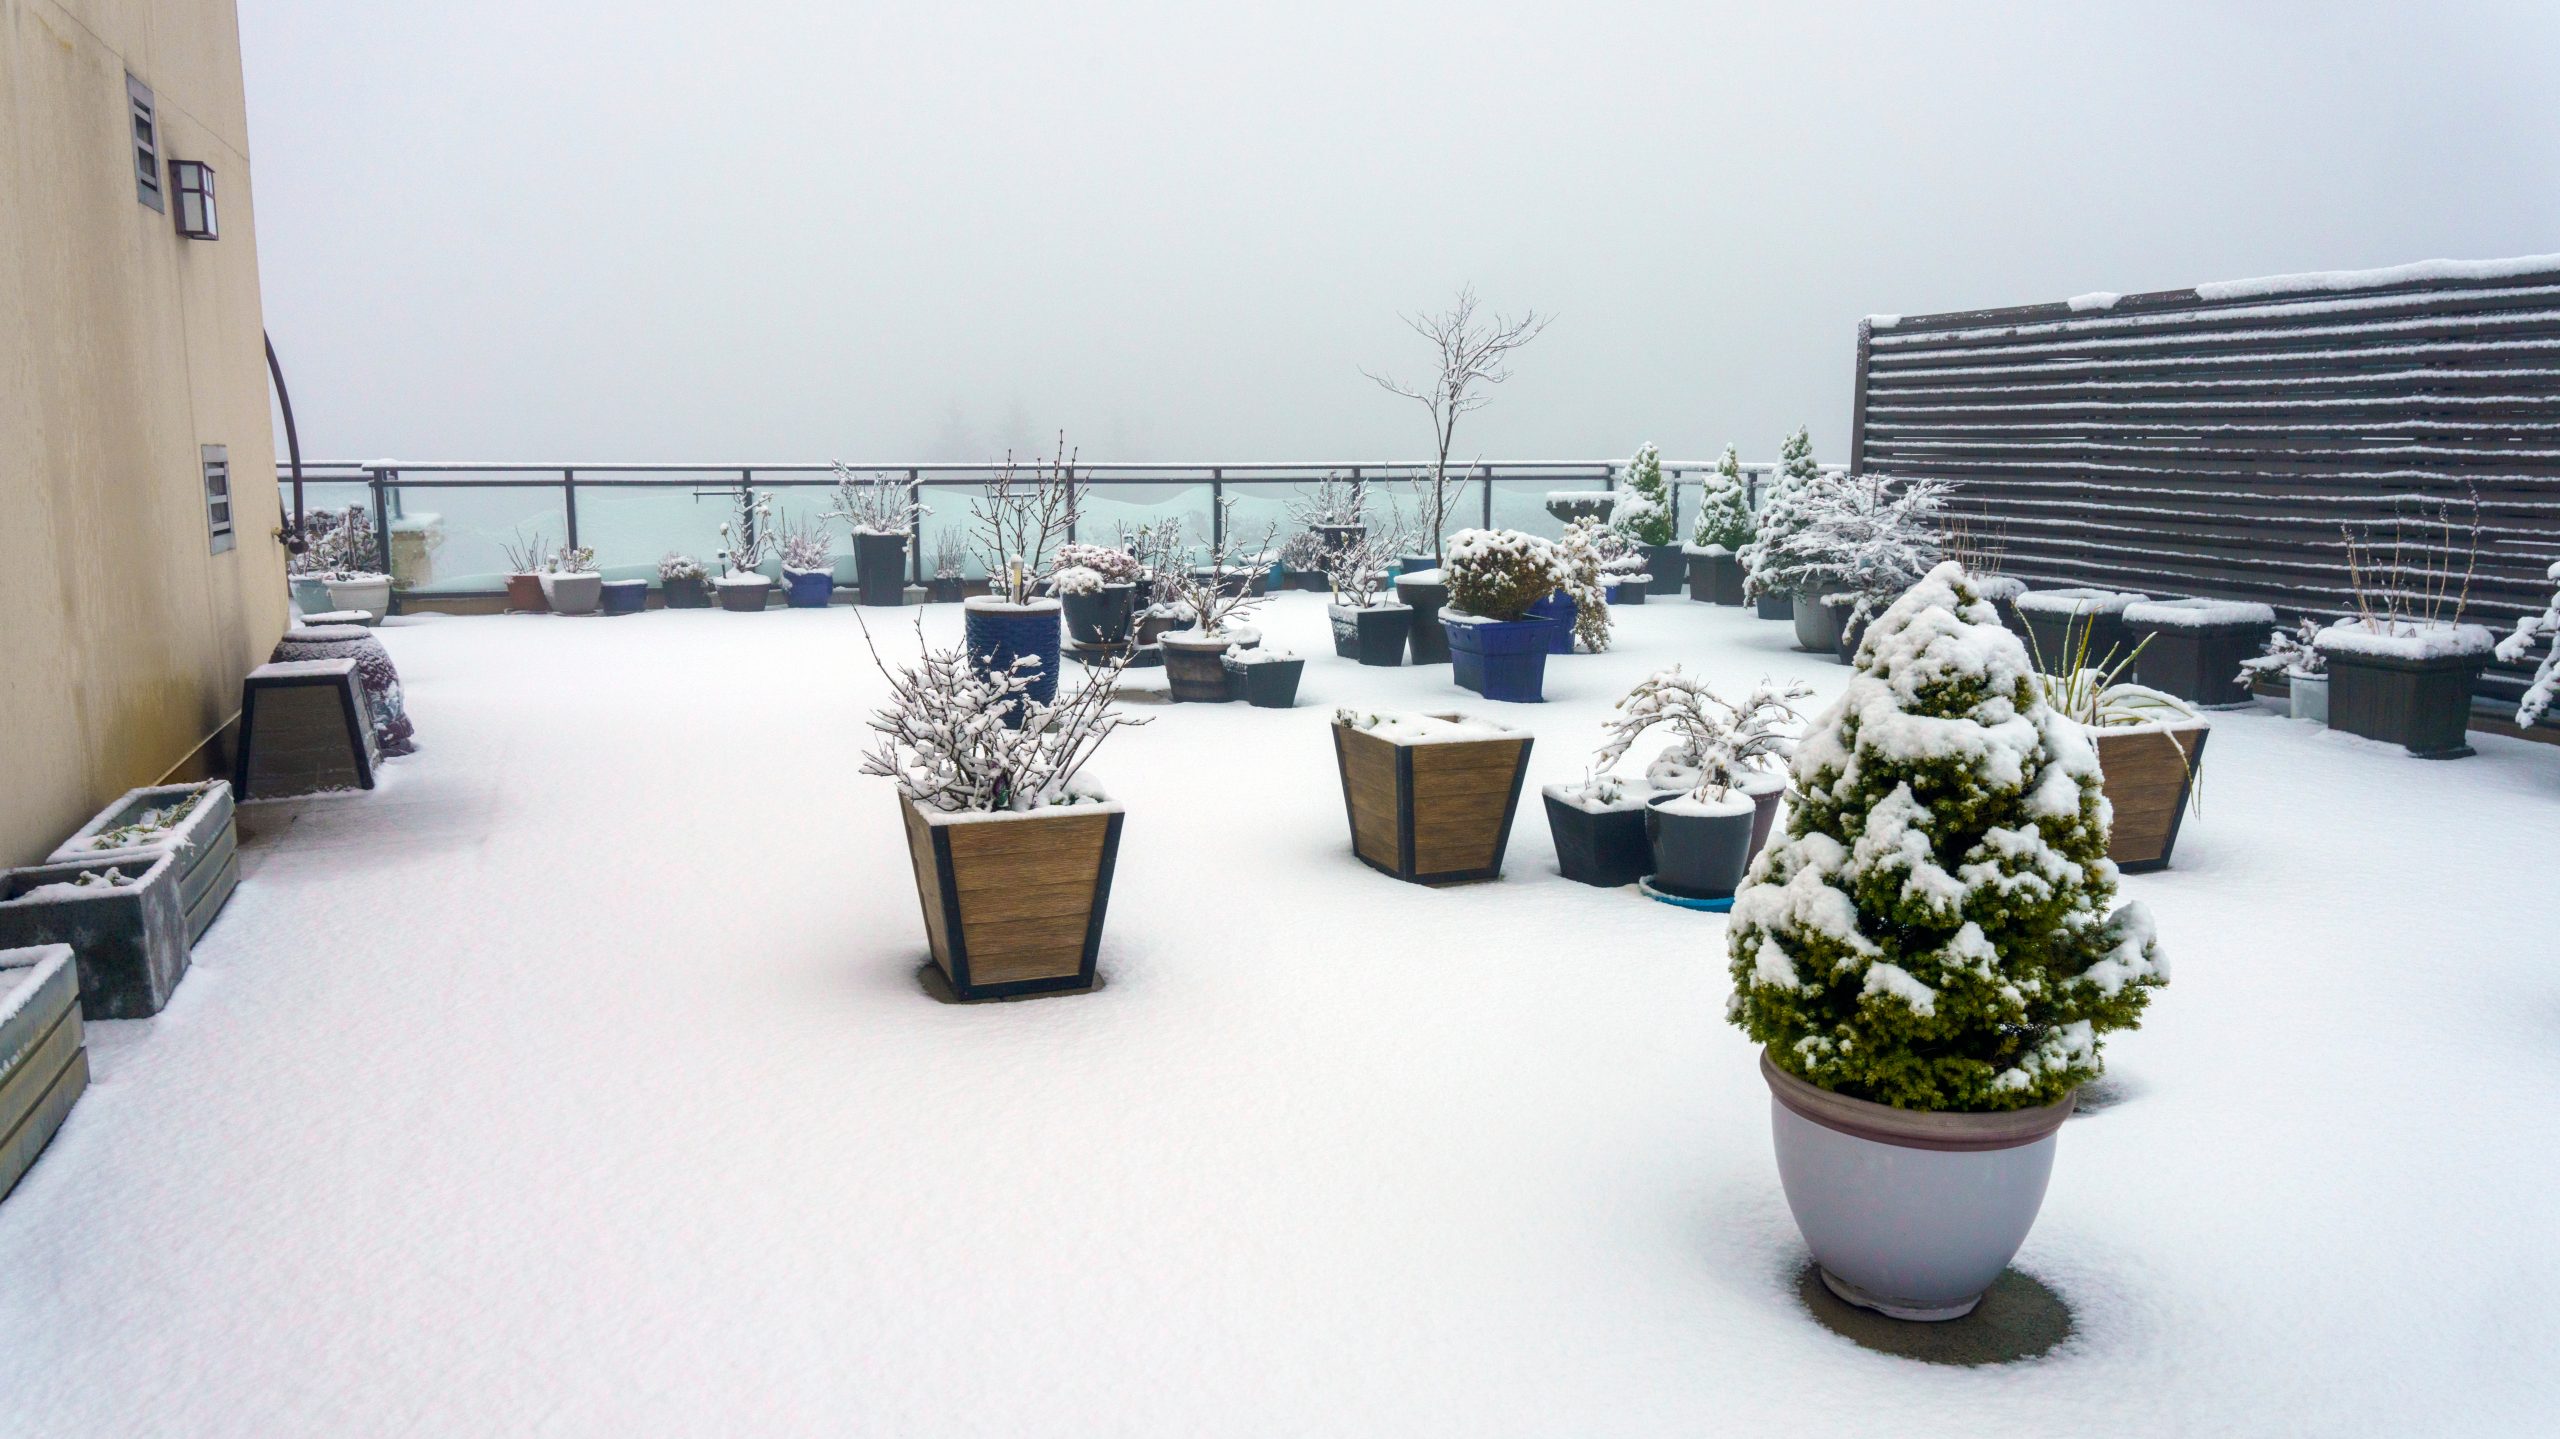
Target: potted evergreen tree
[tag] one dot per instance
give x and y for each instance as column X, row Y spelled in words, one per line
column 1642, row 513
column 1725, row 524
column 1930, row 957
column 1013, row 847
column 1497, row 647
column 880, row 513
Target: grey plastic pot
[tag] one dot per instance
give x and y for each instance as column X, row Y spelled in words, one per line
column 1911, row 1213
column 2308, row 697
column 573, row 594
column 1818, row 624
column 1697, row 856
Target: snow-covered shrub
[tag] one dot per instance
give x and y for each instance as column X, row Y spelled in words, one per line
column 341, row 544
column 148, row 825
column 1303, row 551
column 1498, row 574
column 1026, row 511
column 746, row 537
column 1077, row 580
column 1796, row 465
column 1643, row 508
column 1332, row 500
column 2290, row 652
column 572, row 560
column 2545, row 689
column 1724, row 506
column 1356, row 571
column 1578, row 563
column 526, row 554
column 805, row 547
column 1855, row 539
column 946, row 741
column 674, row 566
column 879, row 505
column 950, row 555
column 1714, row 741
column 1938, row 928
column 1113, row 564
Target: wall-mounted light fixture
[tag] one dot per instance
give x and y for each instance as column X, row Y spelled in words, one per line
column 192, row 180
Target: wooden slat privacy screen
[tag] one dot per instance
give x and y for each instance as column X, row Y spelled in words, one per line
column 2214, row 441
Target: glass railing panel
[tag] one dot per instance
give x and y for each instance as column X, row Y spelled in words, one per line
column 451, row 538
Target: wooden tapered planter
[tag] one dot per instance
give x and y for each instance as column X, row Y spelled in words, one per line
column 1013, row 903
column 2148, row 785
column 1431, row 800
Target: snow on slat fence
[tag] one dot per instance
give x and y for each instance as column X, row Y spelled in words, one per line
column 2221, row 440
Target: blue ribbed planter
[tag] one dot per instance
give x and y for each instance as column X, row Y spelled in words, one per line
column 1559, row 610
column 808, row 589
column 624, row 597
column 1505, row 660
column 997, row 635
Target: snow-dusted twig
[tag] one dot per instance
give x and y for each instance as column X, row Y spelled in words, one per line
column 1474, row 355
column 1028, row 510
column 879, row 505
column 1716, row 739
column 955, row 739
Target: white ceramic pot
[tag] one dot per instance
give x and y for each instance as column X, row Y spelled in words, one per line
column 2309, row 696
column 574, row 593
column 1908, row 1212
column 371, row 594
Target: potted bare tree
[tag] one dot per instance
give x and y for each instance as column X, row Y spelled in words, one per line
column 1472, row 354
column 1013, row 629
column 1194, row 655
column 950, row 582
column 527, row 554
column 808, row 564
column 1368, row 626
column 2403, row 666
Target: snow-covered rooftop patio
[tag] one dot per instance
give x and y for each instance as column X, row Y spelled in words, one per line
column 580, row 1080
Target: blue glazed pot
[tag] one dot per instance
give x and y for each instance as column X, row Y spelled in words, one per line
column 996, row 636
column 624, row 597
column 1502, row 660
column 1558, row 610
column 809, row 589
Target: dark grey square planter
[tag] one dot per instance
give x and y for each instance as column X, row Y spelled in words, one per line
column 2198, row 663
column 2424, row 705
column 206, row 842
column 1668, row 567
column 880, row 568
column 304, row 729
column 1373, row 636
column 1606, row 847
column 130, row 939
column 44, row 1057
column 1270, row 684
column 1429, row 643
column 2054, row 635
column 1715, row 579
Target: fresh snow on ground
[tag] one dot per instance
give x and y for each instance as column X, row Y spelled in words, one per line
column 578, row 1081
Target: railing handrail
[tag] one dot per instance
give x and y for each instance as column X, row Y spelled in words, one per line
column 1469, row 468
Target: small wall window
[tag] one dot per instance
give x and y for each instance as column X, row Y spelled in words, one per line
column 193, row 182
column 146, row 143
column 217, row 494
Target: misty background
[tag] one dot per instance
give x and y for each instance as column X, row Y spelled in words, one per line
column 889, row 230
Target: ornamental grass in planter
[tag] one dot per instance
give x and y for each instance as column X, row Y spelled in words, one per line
column 1430, row 797
column 2150, row 753
column 44, row 1056
column 194, row 822
column 1930, row 957
column 1497, row 647
column 1013, row 850
column 2067, row 621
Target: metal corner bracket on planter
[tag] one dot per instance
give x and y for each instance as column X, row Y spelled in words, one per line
column 1499, row 659
column 1432, row 813
column 44, row 1053
column 2423, row 705
column 1911, row 1213
column 206, row 842
column 1014, row 903
column 997, row 634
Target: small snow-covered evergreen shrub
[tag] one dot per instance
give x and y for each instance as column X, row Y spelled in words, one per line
column 1724, row 506
column 674, row 566
column 946, row 742
column 1643, row 509
column 1498, row 574
column 1715, row 742
column 1077, row 580
column 1113, row 564
column 1579, row 560
column 2294, row 652
column 1938, row 927
column 1796, row 465
column 2545, row 689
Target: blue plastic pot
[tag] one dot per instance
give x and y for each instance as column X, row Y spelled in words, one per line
column 809, row 589
column 996, row 637
column 1559, row 611
column 1503, row 660
column 312, row 596
column 624, row 597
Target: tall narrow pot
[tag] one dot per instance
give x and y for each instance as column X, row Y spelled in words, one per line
column 880, row 569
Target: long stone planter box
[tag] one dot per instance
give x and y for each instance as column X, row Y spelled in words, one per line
column 1431, row 811
column 1014, row 903
column 130, row 939
column 44, row 1056
column 206, row 842
column 2147, row 785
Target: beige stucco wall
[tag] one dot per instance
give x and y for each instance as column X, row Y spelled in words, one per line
column 122, row 348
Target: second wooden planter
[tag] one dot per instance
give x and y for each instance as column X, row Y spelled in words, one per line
column 1430, row 798
column 2148, row 783
column 1014, row 903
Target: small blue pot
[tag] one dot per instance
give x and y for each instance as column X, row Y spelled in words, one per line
column 624, row 597
column 995, row 638
column 312, row 596
column 1502, row 661
column 810, row 589
column 1559, row 610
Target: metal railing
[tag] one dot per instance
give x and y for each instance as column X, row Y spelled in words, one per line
column 387, row 485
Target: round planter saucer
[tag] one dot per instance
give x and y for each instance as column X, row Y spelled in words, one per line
column 1719, row 905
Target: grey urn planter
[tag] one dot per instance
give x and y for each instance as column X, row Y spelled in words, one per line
column 1910, row 1213
column 130, row 939
column 578, row 593
column 44, row 1056
column 206, row 842
column 1818, row 624
column 1428, row 643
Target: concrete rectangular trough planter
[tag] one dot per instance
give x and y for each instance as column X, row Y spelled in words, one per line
column 130, row 939
column 1430, row 798
column 206, row 842
column 44, row 1056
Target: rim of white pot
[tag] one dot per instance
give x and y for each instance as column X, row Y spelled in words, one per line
column 1948, row 1130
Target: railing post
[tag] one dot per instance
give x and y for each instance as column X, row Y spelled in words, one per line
column 1484, row 473
column 1070, row 480
column 746, row 508
column 381, row 515
column 1217, row 515
column 915, row 526
column 569, row 502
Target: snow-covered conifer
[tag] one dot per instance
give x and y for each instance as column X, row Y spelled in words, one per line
column 1643, row 509
column 2545, row 690
column 1580, row 560
column 1724, row 506
column 1938, row 928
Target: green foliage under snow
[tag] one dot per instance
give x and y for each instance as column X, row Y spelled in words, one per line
column 1938, row 928
column 1643, row 511
column 1724, row 506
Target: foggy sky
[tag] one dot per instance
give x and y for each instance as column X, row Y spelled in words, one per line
column 759, row 230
